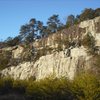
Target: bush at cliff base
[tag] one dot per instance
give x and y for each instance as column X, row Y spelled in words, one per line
column 84, row 87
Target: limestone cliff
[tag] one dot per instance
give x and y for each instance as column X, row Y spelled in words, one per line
column 92, row 26
column 58, row 63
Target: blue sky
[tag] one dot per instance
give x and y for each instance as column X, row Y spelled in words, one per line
column 14, row 13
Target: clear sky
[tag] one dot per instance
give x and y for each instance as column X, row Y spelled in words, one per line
column 14, row 13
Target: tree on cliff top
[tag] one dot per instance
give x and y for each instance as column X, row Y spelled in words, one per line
column 87, row 14
column 70, row 20
column 54, row 23
column 30, row 31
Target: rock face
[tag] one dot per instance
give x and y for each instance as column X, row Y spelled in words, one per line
column 66, row 63
column 72, row 33
column 93, row 27
column 56, row 64
column 59, row 65
column 17, row 52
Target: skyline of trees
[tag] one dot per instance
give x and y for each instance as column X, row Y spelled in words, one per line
column 35, row 29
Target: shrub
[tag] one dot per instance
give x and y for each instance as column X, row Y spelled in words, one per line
column 5, row 59
column 83, row 87
column 51, row 89
column 89, row 42
column 95, row 65
column 19, row 86
column 86, row 87
column 5, row 85
column 42, row 52
column 12, row 41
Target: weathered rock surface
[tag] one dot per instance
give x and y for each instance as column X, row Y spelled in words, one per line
column 93, row 27
column 17, row 52
column 57, row 64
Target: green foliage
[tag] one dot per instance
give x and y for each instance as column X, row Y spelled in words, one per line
column 84, row 87
column 5, row 85
column 87, row 14
column 95, row 64
column 29, row 32
column 61, row 41
column 97, row 12
column 44, row 32
column 89, row 41
column 70, row 20
column 7, row 60
column 5, row 57
column 97, row 61
column 50, row 89
column 54, row 23
column 20, row 86
column 12, row 41
column 42, row 52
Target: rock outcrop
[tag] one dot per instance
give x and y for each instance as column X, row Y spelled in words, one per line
column 17, row 52
column 57, row 64
column 93, row 27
